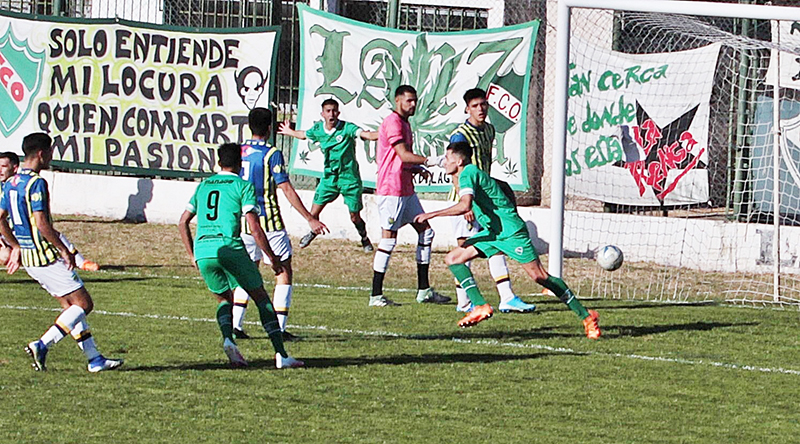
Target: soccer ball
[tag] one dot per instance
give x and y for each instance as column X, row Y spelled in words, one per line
column 609, row 257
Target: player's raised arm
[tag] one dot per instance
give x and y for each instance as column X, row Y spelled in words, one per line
column 285, row 129
column 368, row 135
column 186, row 232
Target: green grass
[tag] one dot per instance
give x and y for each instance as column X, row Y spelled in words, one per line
column 671, row 373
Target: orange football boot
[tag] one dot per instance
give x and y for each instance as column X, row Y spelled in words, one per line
column 478, row 314
column 591, row 326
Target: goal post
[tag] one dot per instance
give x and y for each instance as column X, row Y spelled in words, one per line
column 756, row 174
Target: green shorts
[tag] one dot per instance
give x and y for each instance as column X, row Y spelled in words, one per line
column 348, row 186
column 518, row 246
column 230, row 268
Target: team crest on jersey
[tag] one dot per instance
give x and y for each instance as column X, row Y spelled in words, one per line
column 339, row 138
column 391, row 221
column 36, row 197
column 21, row 72
column 277, row 169
column 519, row 250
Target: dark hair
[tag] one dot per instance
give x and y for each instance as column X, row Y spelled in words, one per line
column 230, row 155
column 33, row 143
column 260, row 119
column 461, row 149
column 11, row 156
column 402, row 89
column 473, row 94
column 330, row 102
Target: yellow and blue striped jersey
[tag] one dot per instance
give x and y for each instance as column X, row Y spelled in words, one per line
column 481, row 140
column 23, row 195
column 263, row 166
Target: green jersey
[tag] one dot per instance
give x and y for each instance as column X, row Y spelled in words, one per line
column 338, row 146
column 493, row 209
column 219, row 203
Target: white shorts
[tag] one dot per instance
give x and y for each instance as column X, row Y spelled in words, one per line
column 56, row 278
column 462, row 228
column 279, row 242
column 396, row 211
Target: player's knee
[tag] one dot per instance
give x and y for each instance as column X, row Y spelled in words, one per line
column 454, row 257
column 385, row 247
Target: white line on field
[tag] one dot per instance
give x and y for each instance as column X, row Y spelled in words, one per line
column 494, row 343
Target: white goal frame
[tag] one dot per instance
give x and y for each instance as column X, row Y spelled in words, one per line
column 682, row 7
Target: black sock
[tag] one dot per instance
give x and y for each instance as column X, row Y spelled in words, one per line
column 377, row 283
column 361, row 227
column 422, row 276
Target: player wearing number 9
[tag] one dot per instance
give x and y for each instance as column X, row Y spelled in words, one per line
column 220, row 203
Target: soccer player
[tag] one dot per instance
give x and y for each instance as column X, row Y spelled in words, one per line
column 398, row 204
column 504, row 232
column 264, row 167
column 479, row 134
column 37, row 246
column 218, row 251
column 337, row 140
column 9, row 163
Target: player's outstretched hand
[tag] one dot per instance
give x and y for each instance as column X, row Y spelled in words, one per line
column 469, row 216
column 12, row 265
column 69, row 258
column 276, row 265
column 422, row 218
column 433, row 161
column 318, row 227
column 285, row 128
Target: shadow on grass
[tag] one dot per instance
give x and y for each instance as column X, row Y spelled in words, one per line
column 633, row 331
column 356, row 361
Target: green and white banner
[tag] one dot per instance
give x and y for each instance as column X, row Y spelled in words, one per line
column 125, row 96
column 361, row 65
column 638, row 125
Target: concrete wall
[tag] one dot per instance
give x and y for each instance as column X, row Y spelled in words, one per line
column 711, row 245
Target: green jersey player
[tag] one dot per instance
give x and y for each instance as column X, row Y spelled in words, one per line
column 479, row 134
column 337, row 140
column 219, row 252
column 504, row 232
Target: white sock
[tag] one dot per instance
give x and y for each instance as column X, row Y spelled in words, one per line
column 64, row 324
column 240, row 298
column 382, row 255
column 425, row 239
column 499, row 270
column 282, row 300
column 461, row 294
column 84, row 338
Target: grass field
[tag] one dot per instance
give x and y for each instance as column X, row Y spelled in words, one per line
column 672, row 373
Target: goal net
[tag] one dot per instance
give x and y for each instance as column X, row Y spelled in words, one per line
column 682, row 148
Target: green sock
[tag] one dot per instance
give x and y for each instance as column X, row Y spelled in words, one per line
column 269, row 320
column 225, row 319
column 560, row 289
column 467, row 281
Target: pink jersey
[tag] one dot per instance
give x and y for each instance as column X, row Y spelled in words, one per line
column 394, row 177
